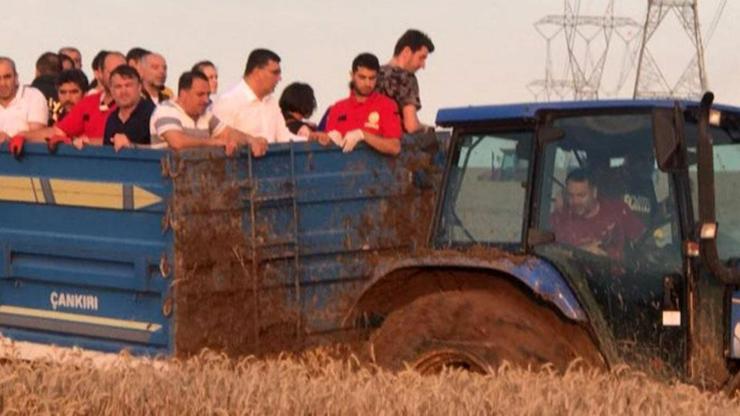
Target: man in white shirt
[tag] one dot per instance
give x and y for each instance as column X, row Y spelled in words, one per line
column 187, row 121
column 21, row 107
column 250, row 107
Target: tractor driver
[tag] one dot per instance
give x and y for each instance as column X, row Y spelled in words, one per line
column 600, row 226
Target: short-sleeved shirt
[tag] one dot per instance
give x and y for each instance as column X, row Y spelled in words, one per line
column 240, row 108
column 611, row 227
column 169, row 116
column 399, row 84
column 377, row 114
column 136, row 128
column 28, row 106
column 87, row 118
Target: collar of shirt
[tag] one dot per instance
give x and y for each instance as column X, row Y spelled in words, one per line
column 251, row 96
column 137, row 110
column 104, row 106
column 356, row 103
column 182, row 110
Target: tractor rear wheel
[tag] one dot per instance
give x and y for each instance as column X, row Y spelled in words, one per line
column 479, row 329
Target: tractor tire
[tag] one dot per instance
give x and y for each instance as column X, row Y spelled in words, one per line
column 477, row 330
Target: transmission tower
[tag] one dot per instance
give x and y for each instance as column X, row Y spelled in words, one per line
column 587, row 40
column 651, row 81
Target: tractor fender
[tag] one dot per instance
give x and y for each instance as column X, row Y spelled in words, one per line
column 537, row 274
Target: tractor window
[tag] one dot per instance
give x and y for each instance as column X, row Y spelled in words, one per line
column 727, row 182
column 486, row 187
column 601, row 190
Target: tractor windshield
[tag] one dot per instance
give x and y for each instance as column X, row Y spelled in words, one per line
column 613, row 217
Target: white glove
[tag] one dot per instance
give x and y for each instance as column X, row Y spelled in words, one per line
column 351, row 139
column 336, row 137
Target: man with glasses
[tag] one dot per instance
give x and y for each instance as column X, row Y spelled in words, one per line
column 250, row 106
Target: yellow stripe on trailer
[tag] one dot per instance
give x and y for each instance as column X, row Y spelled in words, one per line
column 18, row 188
column 79, row 318
column 87, row 194
column 144, row 198
column 109, row 195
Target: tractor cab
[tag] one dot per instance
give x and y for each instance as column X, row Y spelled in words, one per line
column 611, row 194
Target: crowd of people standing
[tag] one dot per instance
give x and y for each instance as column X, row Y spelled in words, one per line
column 128, row 104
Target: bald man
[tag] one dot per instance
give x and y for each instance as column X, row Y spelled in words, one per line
column 153, row 69
column 21, row 107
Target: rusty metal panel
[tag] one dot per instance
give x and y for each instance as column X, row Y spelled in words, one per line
column 270, row 251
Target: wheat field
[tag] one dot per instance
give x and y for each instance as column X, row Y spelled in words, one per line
column 315, row 384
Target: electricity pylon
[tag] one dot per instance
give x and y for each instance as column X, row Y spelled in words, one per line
column 587, row 40
column 651, row 81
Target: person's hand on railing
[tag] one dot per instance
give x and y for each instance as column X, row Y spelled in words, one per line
column 53, row 142
column 258, row 146
column 80, row 142
column 323, row 138
column 15, row 145
column 120, row 141
column 336, row 137
column 351, row 139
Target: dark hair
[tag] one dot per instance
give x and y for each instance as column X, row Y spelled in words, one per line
column 415, row 40
column 579, row 175
column 49, row 63
column 73, row 75
column 258, row 58
column 126, row 71
column 136, row 53
column 187, row 78
column 201, row 64
column 65, row 59
column 298, row 97
column 97, row 62
column 366, row 60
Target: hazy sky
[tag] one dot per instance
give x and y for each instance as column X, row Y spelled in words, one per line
column 487, row 50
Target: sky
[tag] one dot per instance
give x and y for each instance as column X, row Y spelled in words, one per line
column 487, row 51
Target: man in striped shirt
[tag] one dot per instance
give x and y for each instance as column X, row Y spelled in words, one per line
column 186, row 122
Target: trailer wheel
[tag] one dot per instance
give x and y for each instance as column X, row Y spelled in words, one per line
column 478, row 330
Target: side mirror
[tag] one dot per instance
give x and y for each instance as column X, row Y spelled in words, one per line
column 668, row 137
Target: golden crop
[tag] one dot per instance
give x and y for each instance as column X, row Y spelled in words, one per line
column 316, row 384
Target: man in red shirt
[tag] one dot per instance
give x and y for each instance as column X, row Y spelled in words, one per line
column 85, row 122
column 599, row 226
column 366, row 115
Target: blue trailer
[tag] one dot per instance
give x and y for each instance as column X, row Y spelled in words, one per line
column 166, row 254
column 450, row 255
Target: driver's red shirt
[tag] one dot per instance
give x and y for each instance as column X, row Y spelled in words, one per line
column 612, row 226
